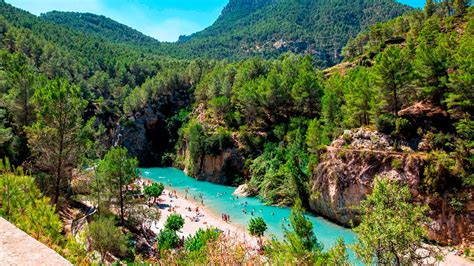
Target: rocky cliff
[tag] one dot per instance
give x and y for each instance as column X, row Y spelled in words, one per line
column 221, row 168
column 346, row 175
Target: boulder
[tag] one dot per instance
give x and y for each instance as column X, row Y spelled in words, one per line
column 243, row 191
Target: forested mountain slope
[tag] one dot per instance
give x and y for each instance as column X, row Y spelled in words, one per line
column 271, row 27
column 247, row 28
column 407, row 84
column 100, row 26
column 86, row 52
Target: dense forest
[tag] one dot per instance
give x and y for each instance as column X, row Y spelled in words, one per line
column 84, row 101
column 269, row 28
column 251, row 28
column 281, row 114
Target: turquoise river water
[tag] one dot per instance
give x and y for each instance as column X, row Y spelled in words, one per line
column 218, row 199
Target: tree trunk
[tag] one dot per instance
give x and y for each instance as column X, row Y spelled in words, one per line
column 122, row 220
column 395, row 98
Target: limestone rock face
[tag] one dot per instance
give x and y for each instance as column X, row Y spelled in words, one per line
column 220, row 169
column 146, row 132
column 347, row 171
column 244, row 191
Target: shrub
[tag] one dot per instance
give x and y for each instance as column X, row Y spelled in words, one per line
column 167, row 239
column 199, row 240
column 174, row 222
column 397, row 163
column 257, row 226
column 386, row 123
column 106, row 237
column 154, row 190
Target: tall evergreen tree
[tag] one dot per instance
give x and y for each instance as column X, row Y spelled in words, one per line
column 460, row 7
column 391, row 231
column 117, row 171
column 56, row 138
column 430, row 8
column 392, row 71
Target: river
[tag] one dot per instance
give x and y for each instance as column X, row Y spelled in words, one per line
column 219, row 199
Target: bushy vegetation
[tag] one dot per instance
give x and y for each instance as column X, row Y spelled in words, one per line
column 392, row 228
column 154, row 190
column 22, row 204
column 105, row 237
column 70, row 100
column 321, row 28
column 300, row 245
column 257, row 226
column 282, row 113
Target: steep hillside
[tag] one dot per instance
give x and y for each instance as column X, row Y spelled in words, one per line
column 407, row 82
column 100, row 26
column 92, row 51
column 272, row 27
column 247, row 28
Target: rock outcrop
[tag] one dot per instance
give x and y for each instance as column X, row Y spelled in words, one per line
column 149, row 132
column 244, row 191
column 220, row 169
column 347, row 172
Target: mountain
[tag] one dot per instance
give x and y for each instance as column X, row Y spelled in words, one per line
column 247, row 28
column 272, row 27
column 100, row 26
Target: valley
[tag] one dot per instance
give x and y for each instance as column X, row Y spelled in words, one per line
column 344, row 127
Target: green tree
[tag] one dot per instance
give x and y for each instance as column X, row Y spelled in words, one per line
column 361, row 99
column 300, row 245
column 430, row 8
column 303, row 228
column 56, row 139
column 307, row 90
column 257, row 226
column 154, row 191
column 117, row 171
column 331, row 105
column 460, row 7
column 5, row 132
column 315, row 138
column 431, row 66
column 391, row 231
column 105, row 237
column 22, row 204
column 174, row 222
column 200, row 239
column 392, row 71
column 338, row 255
column 167, row 239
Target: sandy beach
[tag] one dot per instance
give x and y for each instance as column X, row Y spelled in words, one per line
column 204, row 218
column 197, row 216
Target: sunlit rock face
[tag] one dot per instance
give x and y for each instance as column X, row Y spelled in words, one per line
column 347, row 172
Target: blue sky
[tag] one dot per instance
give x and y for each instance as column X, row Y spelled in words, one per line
column 164, row 20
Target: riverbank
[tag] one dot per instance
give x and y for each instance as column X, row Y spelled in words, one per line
column 197, row 216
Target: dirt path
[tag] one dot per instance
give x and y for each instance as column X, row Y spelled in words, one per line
column 18, row 248
column 391, row 153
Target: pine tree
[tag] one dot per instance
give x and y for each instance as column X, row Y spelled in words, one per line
column 56, row 138
column 117, row 172
column 391, row 231
column 430, row 8
column 460, row 7
column 392, row 72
